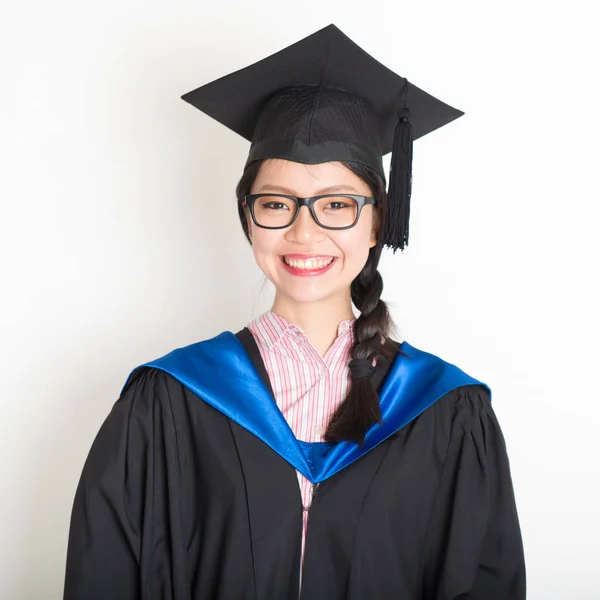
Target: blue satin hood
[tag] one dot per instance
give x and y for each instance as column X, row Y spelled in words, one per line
column 220, row 372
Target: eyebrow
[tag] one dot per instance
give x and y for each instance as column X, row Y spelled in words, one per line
column 332, row 189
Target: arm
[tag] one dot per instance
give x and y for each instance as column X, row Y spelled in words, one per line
column 111, row 521
column 500, row 569
column 475, row 549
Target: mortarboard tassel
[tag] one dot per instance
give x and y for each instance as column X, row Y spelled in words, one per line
column 396, row 224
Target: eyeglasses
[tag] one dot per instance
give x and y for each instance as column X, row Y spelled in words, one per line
column 332, row 211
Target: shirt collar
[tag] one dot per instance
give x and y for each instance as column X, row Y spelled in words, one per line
column 274, row 327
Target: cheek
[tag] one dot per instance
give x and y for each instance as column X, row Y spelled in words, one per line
column 264, row 244
column 354, row 243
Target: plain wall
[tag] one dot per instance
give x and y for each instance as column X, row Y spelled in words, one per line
column 119, row 236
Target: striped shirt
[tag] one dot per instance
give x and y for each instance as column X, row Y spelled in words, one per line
column 307, row 388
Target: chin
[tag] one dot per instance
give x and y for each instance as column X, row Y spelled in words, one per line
column 307, row 295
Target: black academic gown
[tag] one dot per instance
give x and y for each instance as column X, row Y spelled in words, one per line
column 179, row 502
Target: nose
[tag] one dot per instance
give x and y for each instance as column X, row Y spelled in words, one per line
column 305, row 228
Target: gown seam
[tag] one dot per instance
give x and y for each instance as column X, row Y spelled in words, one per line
column 172, row 419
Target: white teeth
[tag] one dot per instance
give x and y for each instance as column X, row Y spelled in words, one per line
column 310, row 263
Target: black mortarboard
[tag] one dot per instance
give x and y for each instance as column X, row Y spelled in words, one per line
column 325, row 99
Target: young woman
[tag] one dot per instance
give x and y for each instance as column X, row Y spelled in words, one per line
column 309, row 455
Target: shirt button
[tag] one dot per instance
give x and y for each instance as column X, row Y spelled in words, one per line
column 319, row 430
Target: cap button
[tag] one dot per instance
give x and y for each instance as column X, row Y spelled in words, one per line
column 404, row 113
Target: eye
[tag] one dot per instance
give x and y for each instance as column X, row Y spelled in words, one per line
column 274, row 205
column 337, row 205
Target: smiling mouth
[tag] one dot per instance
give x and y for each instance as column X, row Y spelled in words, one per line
column 308, row 263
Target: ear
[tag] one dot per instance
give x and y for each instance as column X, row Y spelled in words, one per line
column 374, row 229
column 249, row 225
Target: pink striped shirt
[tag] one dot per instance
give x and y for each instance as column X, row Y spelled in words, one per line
column 307, row 388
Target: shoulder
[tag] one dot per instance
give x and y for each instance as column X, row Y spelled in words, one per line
column 468, row 420
column 466, row 404
column 436, row 375
column 146, row 381
column 185, row 374
column 155, row 402
column 463, row 400
column 200, row 355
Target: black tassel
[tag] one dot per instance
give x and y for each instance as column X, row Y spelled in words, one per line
column 395, row 231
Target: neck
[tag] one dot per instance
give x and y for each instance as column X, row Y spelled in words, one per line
column 319, row 320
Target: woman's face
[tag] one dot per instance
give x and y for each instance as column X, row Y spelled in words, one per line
column 348, row 247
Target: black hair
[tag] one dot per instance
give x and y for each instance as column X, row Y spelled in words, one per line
column 360, row 409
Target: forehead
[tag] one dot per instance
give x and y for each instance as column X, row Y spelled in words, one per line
column 306, row 180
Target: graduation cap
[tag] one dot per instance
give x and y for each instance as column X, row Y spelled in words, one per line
column 325, row 99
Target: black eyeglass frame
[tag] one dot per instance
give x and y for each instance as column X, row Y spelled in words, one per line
column 361, row 201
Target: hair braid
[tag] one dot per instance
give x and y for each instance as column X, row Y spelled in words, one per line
column 360, row 409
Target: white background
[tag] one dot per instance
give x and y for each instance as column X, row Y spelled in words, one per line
column 119, row 237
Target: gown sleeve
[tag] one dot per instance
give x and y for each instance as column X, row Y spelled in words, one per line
column 112, row 547
column 474, row 545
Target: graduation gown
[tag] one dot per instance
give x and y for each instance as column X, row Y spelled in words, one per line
column 189, row 491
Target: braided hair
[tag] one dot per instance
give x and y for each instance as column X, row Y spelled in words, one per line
column 372, row 342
